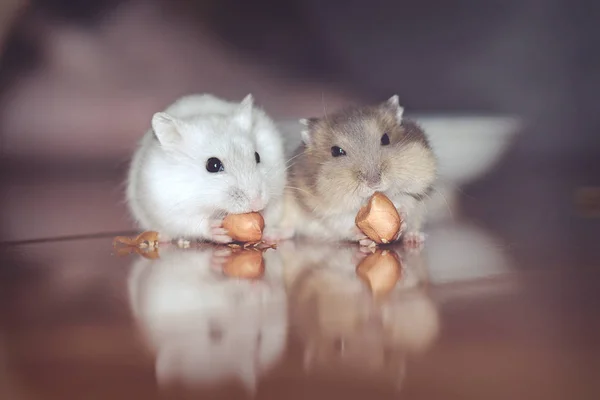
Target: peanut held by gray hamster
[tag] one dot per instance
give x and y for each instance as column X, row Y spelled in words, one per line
column 349, row 155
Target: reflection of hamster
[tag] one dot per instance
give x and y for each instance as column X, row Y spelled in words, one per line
column 342, row 329
column 204, row 158
column 345, row 158
column 205, row 328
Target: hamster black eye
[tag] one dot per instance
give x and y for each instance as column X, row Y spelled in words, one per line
column 214, row 165
column 337, row 151
column 257, row 157
column 385, row 139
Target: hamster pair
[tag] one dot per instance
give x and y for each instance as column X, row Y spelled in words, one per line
column 347, row 156
column 204, row 158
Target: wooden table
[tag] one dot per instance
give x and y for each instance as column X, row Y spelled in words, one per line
column 475, row 315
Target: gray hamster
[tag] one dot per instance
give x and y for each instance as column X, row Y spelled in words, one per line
column 347, row 156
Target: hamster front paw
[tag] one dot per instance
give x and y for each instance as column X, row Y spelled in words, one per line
column 366, row 242
column 356, row 235
column 218, row 234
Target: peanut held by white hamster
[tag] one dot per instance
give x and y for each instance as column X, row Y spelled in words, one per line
column 202, row 159
column 349, row 155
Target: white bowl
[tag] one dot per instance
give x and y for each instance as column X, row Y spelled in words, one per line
column 468, row 146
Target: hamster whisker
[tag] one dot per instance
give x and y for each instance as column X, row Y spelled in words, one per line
column 289, row 166
column 325, row 212
column 296, row 156
column 300, row 189
column 325, row 116
column 430, row 197
column 219, row 214
column 174, row 209
column 403, row 141
column 286, row 167
column 439, row 193
column 454, row 186
column 356, row 187
column 274, row 193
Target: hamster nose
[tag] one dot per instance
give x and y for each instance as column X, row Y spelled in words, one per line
column 372, row 179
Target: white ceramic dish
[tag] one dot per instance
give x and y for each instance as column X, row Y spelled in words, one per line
column 468, row 146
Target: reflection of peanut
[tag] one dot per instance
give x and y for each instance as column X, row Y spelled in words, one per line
column 244, row 227
column 380, row 270
column 379, row 219
column 146, row 239
column 145, row 244
column 245, row 264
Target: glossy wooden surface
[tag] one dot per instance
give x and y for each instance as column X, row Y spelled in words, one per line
column 501, row 304
column 473, row 315
column 70, row 330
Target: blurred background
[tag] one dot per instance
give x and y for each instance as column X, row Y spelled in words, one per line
column 507, row 90
column 79, row 82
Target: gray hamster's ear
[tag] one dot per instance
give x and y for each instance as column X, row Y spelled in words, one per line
column 243, row 115
column 309, row 124
column 393, row 104
column 165, row 128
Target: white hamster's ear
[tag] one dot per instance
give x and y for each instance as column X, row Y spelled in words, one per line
column 309, row 124
column 165, row 128
column 243, row 115
column 393, row 103
column 248, row 100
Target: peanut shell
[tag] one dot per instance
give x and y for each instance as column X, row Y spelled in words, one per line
column 379, row 219
column 244, row 227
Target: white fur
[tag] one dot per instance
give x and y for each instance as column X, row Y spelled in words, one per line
column 169, row 189
column 181, row 304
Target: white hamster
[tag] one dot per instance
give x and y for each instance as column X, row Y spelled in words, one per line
column 203, row 158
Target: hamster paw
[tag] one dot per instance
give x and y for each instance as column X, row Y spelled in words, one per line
column 403, row 224
column 413, row 240
column 366, row 242
column 218, row 259
column 356, row 235
column 274, row 235
column 218, row 234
